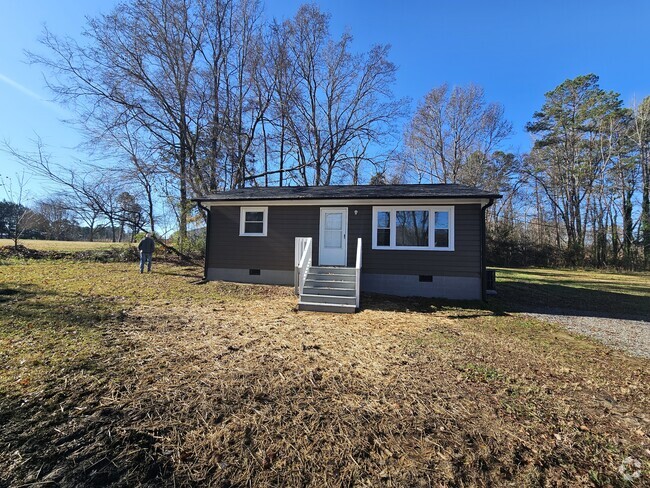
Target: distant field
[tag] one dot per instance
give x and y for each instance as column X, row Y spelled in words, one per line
column 43, row 245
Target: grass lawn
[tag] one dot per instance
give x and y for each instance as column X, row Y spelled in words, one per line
column 611, row 294
column 45, row 245
column 112, row 377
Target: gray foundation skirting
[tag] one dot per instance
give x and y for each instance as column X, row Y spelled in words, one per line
column 452, row 287
column 266, row 276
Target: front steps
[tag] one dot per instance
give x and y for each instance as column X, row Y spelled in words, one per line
column 329, row 289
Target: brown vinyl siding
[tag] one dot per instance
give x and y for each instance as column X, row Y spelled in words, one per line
column 275, row 251
column 463, row 261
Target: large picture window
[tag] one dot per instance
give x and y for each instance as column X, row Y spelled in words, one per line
column 413, row 228
column 253, row 221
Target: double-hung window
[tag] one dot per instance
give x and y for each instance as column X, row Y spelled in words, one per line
column 253, row 221
column 413, row 228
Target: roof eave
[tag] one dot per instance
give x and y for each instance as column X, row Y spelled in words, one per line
column 289, row 198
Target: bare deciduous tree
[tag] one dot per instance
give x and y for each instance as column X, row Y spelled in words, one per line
column 88, row 192
column 137, row 66
column 334, row 107
column 58, row 218
column 18, row 215
column 453, row 135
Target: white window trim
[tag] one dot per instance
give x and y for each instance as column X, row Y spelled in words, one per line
column 242, row 221
column 393, row 228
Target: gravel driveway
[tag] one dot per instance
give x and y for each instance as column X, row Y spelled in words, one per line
column 632, row 336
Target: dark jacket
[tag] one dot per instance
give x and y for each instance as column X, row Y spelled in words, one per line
column 146, row 245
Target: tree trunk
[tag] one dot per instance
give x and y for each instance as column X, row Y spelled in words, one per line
column 91, row 237
column 616, row 241
column 628, row 229
column 183, row 204
column 282, row 137
column 642, row 141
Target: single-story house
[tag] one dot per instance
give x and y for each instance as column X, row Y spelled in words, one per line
column 331, row 242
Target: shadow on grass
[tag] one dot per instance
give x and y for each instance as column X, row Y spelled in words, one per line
column 34, row 306
column 460, row 309
column 197, row 276
column 66, row 368
column 11, row 293
column 8, row 294
column 564, row 299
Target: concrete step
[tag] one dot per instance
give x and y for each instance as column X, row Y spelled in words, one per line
column 326, row 290
column 328, row 299
column 322, row 307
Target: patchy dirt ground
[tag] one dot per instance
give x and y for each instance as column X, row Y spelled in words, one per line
column 163, row 381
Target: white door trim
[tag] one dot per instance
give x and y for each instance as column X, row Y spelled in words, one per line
column 343, row 261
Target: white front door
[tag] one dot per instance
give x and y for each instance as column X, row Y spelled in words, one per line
column 333, row 239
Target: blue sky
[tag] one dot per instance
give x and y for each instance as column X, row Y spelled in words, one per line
column 516, row 50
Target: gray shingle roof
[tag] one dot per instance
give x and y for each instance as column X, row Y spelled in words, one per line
column 350, row 192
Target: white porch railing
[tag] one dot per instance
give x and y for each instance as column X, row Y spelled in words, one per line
column 357, row 269
column 302, row 257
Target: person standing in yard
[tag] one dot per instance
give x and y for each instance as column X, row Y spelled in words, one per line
column 146, row 247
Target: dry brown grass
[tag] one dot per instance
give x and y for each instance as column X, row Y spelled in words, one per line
column 176, row 383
